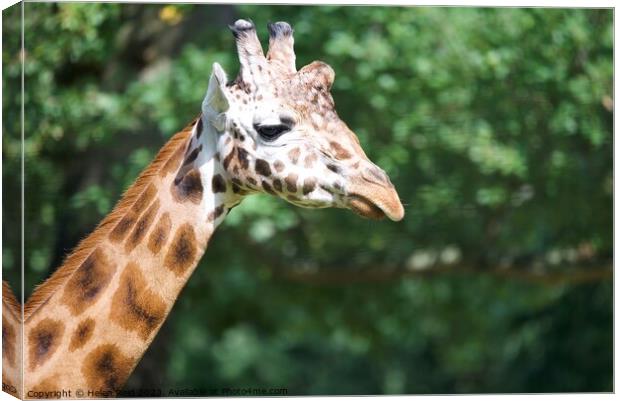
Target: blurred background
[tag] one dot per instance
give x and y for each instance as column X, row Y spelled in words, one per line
column 494, row 124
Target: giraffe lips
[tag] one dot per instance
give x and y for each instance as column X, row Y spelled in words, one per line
column 376, row 210
column 365, row 208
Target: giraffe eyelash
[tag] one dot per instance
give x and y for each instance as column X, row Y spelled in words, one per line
column 271, row 132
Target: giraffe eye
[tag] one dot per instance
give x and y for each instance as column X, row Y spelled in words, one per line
column 271, row 132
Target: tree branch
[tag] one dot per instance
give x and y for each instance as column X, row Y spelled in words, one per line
column 338, row 276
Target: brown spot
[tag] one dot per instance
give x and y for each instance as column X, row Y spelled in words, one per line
column 88, row 282
column 333, row 167
column 309, row 185
column 43, row 341
column 251, row 180
column 267, row 187
column 134, row 306
column 142, row 227
column 144, row 199
column 339, row 152
column 82, row 334
column 217, row 212
column 172, row 164
column 277, row 185
column 188, row 188
column 293, row 155
column 193, row 155
column 244, row 160
column 228, row 159
column 123, row 226
column 237, row 187
column 160, row 234
column 182, row 252
column 106, row 368
column 309, row 160
column 278, row 166
column 8, row 342
column 127, row 221
column 291, row 182
column 262, row 167
column 218, row 184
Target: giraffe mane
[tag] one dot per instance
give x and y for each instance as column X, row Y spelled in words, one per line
column 44, row 291
column 10, row 301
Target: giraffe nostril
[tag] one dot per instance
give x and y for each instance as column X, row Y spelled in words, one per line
column 375, row 175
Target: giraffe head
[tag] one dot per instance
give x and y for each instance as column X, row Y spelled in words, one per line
column 278, row 131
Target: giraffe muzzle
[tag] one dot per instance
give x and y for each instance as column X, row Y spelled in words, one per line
column 372, row 195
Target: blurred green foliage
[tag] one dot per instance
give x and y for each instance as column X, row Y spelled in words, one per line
column 494, row 124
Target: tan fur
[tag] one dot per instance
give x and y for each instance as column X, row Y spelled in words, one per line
column 12, row 343
column 95, row 317
column 9, row 298
column 86, row 246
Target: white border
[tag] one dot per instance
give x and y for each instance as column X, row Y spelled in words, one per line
column 477, row 3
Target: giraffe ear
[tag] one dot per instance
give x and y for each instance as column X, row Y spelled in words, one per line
column 215, row 99
column 318, row 74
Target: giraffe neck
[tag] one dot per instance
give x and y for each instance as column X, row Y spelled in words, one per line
column 90, row 324
column 11, row 343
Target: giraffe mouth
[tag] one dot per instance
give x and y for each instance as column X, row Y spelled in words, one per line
column 374, row 201
column 365, row 207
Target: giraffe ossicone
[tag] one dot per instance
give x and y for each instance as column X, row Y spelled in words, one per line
column 273, row 129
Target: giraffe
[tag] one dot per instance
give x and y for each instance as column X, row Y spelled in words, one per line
column 271, row 130
column 11, row 342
